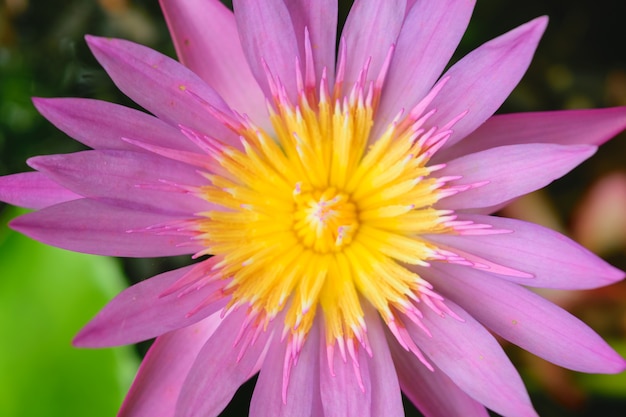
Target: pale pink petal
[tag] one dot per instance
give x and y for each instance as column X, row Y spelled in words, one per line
column 507, row 172
column 302, row 379
column 473, row 360
column 430, row 34
column 102, row 125
column 130, row 179
column 409, row 5
column 162, row 86
column 206, row 40
column 340, row 389
column 526, row 319
column 156, row 387
column 386, row 397
column 267, row 36
column 90, row 226
column 480, row 82
column 33, row 190
column 370, row 31
column 565, row 127
column 320, row 20
column 142, row 312
column 221, row 366
column 365, row 385
column 433, row 392
column 554, row 260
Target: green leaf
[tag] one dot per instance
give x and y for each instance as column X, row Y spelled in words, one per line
column 46, row 296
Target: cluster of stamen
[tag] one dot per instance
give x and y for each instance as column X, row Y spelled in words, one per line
column 324, row 221
column 318, row 216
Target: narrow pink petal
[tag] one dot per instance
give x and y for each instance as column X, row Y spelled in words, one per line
column 473, row 360
column 433, row 392
column 220, row 368
column 162, row 372
column 90, row 226
column 509, row 172
column 409, row 5
column 141, row 312
column 526, row 319
column 162, row 86
column 554, row 260
column 430, row 34
column 33, row 190
column 320, row 19
column 386, row 394
column 565, row 127
column 131, row 179
column 370, row 31
column 302, row 380
column 340, row 388
column 267, row 35
column 480, row 82
column 102, row 125
column 206, row 40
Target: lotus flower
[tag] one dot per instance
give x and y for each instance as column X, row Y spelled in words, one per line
column 337, row 204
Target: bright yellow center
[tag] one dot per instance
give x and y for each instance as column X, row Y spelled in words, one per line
column 325, row 221
column 315, row 220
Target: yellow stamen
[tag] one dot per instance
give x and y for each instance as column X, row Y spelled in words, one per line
column 313, row 220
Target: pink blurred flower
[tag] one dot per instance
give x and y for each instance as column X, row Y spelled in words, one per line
column 600, row 220
column 353, row 255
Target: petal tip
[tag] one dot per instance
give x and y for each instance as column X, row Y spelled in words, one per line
column 534, row 29
column 610, row 274
column 92, row 336
column 98, row 43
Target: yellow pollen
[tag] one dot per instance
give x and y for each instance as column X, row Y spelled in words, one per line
column 313, row 222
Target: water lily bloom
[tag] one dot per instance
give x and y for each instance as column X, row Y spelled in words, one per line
column 337, row 202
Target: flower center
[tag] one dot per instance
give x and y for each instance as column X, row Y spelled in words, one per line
column 324, row 221
column 316, row 217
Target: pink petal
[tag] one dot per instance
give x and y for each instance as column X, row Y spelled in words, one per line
column 526, row 319
column 554, row 260
column 102, row 125
column 267, row 35
column 33, row 190
column 430, row 34
column 339, row 389
column 89, row 226
column 206, row 40
column 131, row 179
column 386, row 394
column 379, row 395
column 432, row 391
column 162, row 86
column 302, row 381
column 220, row 368
column 473, row 360
column 370, row 31
column 482, row 80
column 565, row 127
column 320, row 19
column 142, row 312
column 509, row 172
column 160, row 377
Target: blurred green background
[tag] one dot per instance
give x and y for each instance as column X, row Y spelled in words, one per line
column 47, row 294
